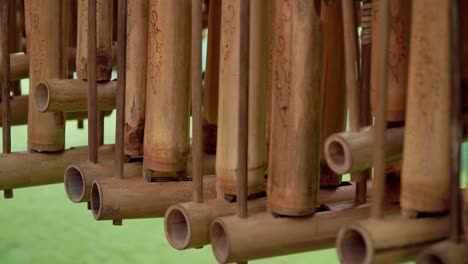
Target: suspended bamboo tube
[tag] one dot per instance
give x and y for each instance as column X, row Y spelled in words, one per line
column 281, row 235
column 446, row 252
column 425, row 186
column 5, row 77
column 79, row 177
column 68, row 95
column 334, row 84
column 228, row 112
column 135, row 98
column 389, row 241
column 41, row 168
column 104, row 18
column 296, row 109
column 187, row 225
column 118, row 199
column 211, row 87
column 166, row 143
column 48, row 59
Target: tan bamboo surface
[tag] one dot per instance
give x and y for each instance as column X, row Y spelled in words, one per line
column 80, row 176
column 166, row 142
column 446, row 252
column 48, row 59
column 135, row 98
column 118, row 199
column 69, row 95
column 334, row 84
column 104, row 18
column 211, row 87
column 393, row 240
column 233, row 238
column 398, row 56
column 425, row 181
column 294, row 171
column 42, row 168
column 187, row 225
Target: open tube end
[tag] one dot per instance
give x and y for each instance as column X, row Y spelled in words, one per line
column 74, row 184
column 337, row 155
column 177, row 227
column 219, row 241
column 42, row 96
column 96, row 200
column 353, row 246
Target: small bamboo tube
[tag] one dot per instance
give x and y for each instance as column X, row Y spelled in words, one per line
column 425, row 185
column 187, row 225
column 296, row 109
column 211, row 88
column 446, row 252
column 41, row 168
column 398, row 56
column 166, row 142
column 228, row 113
column 79, row 177
column 334, row 84
column 104, row 18
column 135, row 98
column 281, row 235
column 352, row 151
column 46, row 131
column 118, row 199
column 68, row 95
column 392, row 240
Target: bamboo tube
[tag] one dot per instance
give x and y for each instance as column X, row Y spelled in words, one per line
column 281, row 235
column 296, row 110
column 228, row 112
column 334, row 85
column 211, row 88
column 46, row 131
column 104, row 18
column 135, row 98
column 446, row 252
column 464, row 39
column 68, row 95
column 5, row 76
column 389, row 241
column 166, row 143
column 425, row 185
column 118, row 199
column 79, row 177
column 41, row 168
column 187, row 225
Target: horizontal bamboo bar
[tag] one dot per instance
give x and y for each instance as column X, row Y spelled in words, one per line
column 118, row 199
column 187, row 225
column 264, row 235
column 79, row 177
column 20, row 170
column 69, row 95
column 445, row 252
column 389, row 241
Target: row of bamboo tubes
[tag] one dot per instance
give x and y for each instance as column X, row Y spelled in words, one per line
column 261, row 173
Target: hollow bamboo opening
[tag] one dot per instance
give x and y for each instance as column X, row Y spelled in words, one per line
column 42, row 97
column 354, row 246
column 220, row 241
column 96, row 200
column 74, row 183
column 339, row 155
column 178, row 231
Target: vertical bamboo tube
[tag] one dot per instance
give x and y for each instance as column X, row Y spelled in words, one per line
column 296, row 109
column 48, row 59
column 5, row 80
column 228, row 112
column 210, row 92
column 104, row 18
column 137, row 50
column 425, row 185
column 166, row 142
column 334, row 85
column 464, row 39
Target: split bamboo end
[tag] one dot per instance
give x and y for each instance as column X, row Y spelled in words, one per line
column 74, row 184
column 178, row 230
column 42, row 96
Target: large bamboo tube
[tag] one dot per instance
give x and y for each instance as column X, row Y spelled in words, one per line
column 228, row 112
column 118, row 199
column 211, row 88
column 187, row 225
column 397, row 61
column 19, row 66
column 389, row 241
column 296, row 109
column 104, row 18
column 20, row 170
column 281, row 235
column 425, row 184
column 166, row 143
column 79, row 177
column 334, row 84
column 446, row 252
column 68, row 95
column 135, row 98
column 48, row 59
